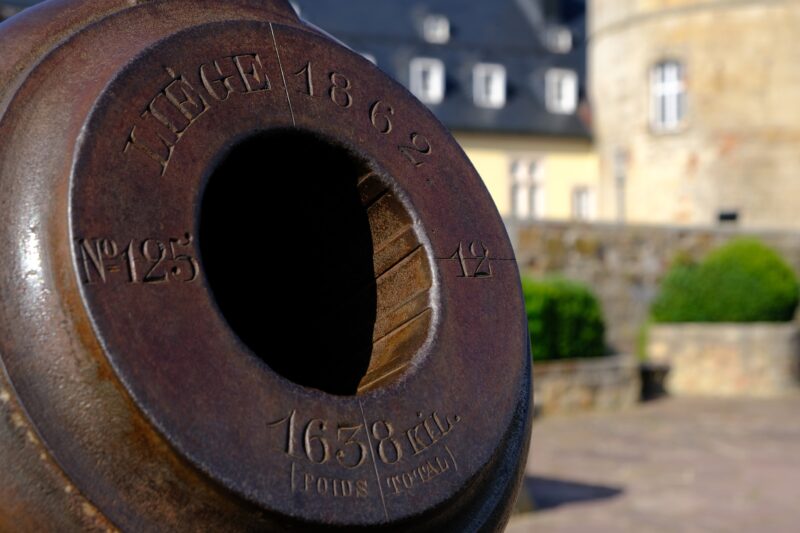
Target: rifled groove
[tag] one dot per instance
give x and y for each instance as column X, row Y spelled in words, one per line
column 407, row 338
column 403, row 281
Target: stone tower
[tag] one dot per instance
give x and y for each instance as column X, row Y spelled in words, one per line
column 697, row 110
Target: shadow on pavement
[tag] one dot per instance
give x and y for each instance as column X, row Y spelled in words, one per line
column 548, row 493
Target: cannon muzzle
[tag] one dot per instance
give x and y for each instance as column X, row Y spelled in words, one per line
column 248, row 283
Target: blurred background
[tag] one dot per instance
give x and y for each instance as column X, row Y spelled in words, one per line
column 645, row 157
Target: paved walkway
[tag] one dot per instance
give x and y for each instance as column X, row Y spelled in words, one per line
column 675, row 465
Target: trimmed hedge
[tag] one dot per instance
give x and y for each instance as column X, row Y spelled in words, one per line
column 743, row 281
column 564, row 320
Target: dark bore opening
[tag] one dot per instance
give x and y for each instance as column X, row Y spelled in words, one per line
column 287, row 250
column 314, row 262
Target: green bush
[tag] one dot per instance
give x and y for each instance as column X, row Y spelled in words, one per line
column 743, row 281
column 564, row 319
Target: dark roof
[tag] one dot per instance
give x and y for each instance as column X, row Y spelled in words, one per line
column 510, row 32
column 19, row 3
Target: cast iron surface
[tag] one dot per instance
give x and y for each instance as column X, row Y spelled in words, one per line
column 250, row 283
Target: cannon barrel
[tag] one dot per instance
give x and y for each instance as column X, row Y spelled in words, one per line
column 248, row 283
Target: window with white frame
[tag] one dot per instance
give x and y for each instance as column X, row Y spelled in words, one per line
column 668, row 95
column 427, row 79
column 527, row 193
column 489, row 85
column 561, row 91
column 436, row 29
column 582, row 203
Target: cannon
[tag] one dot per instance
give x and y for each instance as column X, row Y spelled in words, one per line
column 248, row 283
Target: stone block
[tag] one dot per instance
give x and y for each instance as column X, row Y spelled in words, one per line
column 755, row 360
column 603, row 383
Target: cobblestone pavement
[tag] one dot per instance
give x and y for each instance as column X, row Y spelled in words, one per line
column 674, row 465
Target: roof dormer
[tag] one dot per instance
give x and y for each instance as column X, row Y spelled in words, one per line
column 436, row 29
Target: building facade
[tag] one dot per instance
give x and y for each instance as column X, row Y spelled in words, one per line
column 506, row 77
column 694, row 114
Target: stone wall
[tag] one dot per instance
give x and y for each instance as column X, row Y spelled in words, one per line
column 624, row 264
column 603, row 383
column 728, row 359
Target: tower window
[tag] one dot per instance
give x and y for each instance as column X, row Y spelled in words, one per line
column 728, row 216
column 668, row 96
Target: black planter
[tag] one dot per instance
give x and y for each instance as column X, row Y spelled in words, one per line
column 654, row 376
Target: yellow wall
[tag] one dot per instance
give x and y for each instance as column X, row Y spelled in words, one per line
column 565, row 165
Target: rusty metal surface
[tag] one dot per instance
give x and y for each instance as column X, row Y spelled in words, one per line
column 249, row 283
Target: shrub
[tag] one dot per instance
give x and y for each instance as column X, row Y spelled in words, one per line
column 743, row 281
column 564, row 319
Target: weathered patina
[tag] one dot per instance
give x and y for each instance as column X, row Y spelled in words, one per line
column 248, row 283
